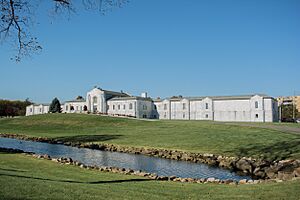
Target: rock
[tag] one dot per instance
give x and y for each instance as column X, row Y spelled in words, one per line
column 296, row 172
column 285, row 175
column 171, row 178
column 162, row 178
column 244, row 165
column 243, row 181
column 210, row 180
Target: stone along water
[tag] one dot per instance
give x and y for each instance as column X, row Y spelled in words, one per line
column 159, row 166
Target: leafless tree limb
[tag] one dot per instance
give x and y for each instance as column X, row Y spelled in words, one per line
column 16, row 20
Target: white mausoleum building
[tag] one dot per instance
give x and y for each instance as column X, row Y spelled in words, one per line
column 244, row 108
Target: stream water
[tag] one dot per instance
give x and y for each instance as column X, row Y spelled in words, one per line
column 159, row 166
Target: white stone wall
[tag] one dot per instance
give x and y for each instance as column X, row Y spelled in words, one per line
column 96, row 101
column 78, row 107
column 180, row 109
column 122, row 107
column 195, row 109
column 163, row 109
column 131, row 107
column 232, row 110
column 37, row 109
column 144, row 109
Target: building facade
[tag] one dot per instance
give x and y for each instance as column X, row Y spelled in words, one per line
column 290, row 100
column 245, row 108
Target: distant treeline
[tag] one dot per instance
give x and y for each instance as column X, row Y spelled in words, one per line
column 13, row 108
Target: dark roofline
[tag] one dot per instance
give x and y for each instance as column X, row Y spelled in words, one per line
column 233, row 97
column 130, row 98
column 75, row 101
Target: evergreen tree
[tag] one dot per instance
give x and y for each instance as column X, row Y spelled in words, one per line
column 55, row 106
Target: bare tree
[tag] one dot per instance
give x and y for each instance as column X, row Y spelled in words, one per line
column 17, row 19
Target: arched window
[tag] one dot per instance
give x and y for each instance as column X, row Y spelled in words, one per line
column 94, row 100
column 130, row 106
column 256, row 104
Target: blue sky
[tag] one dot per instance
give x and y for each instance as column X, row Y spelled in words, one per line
column 164, row 47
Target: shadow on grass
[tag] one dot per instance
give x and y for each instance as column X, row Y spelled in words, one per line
column 70, row 181
column 276, row 151
column 88, row 138
column 12, row 170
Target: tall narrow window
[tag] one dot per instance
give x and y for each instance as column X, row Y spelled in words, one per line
column 94, row 100
column 113, row 107
column 183, row 106
column 165, row 106
column 119, row 107
column 124, row 107
column 183, row 116
column 256, row 104
column 67, row 108
column 130, row 106
column 206, row 105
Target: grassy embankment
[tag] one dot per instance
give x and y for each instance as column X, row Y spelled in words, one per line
column 193, row 136
column 25, row 177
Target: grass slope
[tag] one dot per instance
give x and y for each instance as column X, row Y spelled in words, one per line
column 24, row 177
column 193, row 136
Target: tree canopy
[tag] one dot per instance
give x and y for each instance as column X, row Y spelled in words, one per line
column 16, row 19
column 13, row 108
column 55, row 106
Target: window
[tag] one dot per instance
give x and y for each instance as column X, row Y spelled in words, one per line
column 130, row 106
column 256, row 104
column 183, row 116
column 183, row 106
column 256, row 116
column 76, row 107
column 30, row 109
column 72, row 108
column 67, row 107
column 144, row 116
column 155, row 108
column 206, row 105
column 40, row 110
column 94, row 100
column 119, row 107
column 165, row 106
column 165, row 115
column 144, row 107
column 113, row 107
column 80, row 108
column 124, row 107
column 206, row 116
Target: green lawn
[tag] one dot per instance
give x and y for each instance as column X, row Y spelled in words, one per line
column 193, row 136
column 25, row 177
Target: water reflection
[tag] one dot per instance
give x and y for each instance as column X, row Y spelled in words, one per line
column 160, row 166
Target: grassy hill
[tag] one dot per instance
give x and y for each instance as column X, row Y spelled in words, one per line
column 193, row 136
column 24, row 177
